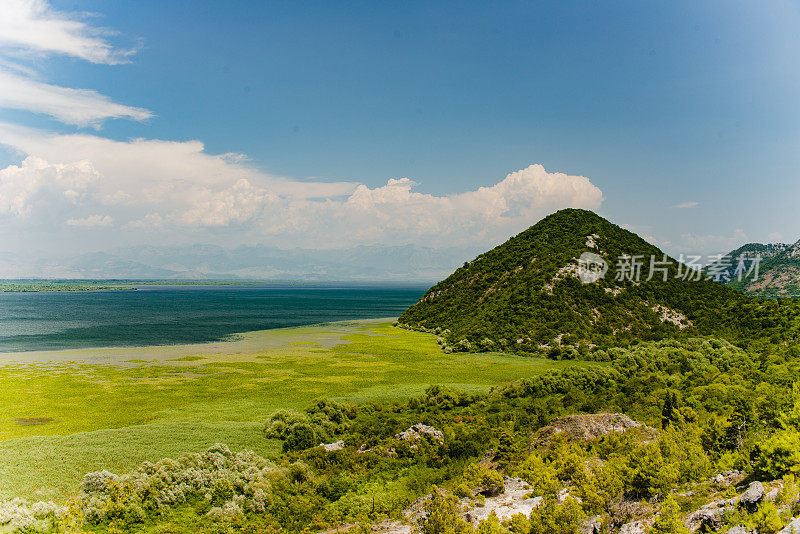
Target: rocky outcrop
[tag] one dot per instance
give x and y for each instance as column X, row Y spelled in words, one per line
column 710, row 517
column 585, row 427
column 726, row 478
column 419, row 430
column 335, row 446
column 514, row 500
column 636, row 527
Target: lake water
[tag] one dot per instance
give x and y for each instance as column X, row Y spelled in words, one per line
column 165, row 315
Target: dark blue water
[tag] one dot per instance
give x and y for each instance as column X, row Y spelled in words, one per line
column 184, row 314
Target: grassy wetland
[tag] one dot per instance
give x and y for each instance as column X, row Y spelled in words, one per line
column 69, row 412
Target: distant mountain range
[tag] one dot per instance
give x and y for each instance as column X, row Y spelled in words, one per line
column 571, row 282
column 363, row 263
column 778, row 270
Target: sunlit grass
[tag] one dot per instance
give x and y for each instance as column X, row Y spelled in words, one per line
column 64, row 418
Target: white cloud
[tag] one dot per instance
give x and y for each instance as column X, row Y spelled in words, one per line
column 37, row 181
column 81, row 107
column 165, row 185
column 91, row 221
column 33, row 26
column 685, row 205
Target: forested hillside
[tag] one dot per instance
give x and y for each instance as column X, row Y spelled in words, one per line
column 778, row 272
column 527, row 295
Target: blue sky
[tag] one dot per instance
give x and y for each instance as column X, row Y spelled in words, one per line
column 654, row 104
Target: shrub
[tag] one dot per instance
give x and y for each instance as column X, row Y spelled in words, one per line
column 668, row 521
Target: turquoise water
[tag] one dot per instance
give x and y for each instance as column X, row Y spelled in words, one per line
column 153, row 315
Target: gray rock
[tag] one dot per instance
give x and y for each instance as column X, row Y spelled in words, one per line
column 417, row 431
column 592, row 525
column 753, row 495
column 738, row 529
column 637, row 527
column 772, row 496
column 707, row 518
column 792, row 528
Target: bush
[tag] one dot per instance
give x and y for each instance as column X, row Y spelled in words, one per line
column 668, row 520
column 443, row 516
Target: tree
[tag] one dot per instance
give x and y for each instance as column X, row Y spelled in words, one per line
column 668, row 521
column 443, row 516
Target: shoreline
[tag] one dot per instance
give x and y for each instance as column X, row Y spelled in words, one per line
column 252, row 340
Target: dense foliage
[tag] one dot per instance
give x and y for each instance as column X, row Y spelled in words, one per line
column 717, row 407
column 523, row 296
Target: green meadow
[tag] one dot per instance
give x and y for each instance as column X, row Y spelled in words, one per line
column 66, row 413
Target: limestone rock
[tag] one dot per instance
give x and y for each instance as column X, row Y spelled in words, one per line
column 417, row 431
column 792, row 528
column 752, row 496
column 772, row 495
column 636, row 527
column 585, row 427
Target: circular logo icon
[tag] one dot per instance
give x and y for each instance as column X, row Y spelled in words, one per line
column 591, row 267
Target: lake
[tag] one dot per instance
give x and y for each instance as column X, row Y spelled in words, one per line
column 166, row 315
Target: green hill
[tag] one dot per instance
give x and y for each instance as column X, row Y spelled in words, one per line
column 778, row 273
column 527, row 295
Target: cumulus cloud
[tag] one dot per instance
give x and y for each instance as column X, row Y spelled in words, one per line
column 81, row 107
column 32, row 26
column 686, row 205
column 164, row 185
column 37, row 181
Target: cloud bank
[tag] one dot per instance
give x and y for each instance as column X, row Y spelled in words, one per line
column 138, row 189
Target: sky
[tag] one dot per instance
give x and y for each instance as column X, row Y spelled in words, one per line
column 328, row 125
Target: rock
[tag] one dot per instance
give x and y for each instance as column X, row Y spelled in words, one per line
column 564, row 494
column 514, row 500
column 587, row 427
column 792, row 528
column 637, row 527
column 492, row 490
column 336, row 446
column 709, row 517
column 417, row 431
column 738, row 529
column 752, row 496
column 726, row 478
column 592, row 525
column 772, row 496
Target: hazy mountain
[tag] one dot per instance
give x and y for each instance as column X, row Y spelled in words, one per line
column 363, row 263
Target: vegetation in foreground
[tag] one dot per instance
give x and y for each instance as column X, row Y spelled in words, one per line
column 64, row 418
column 716, row 408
